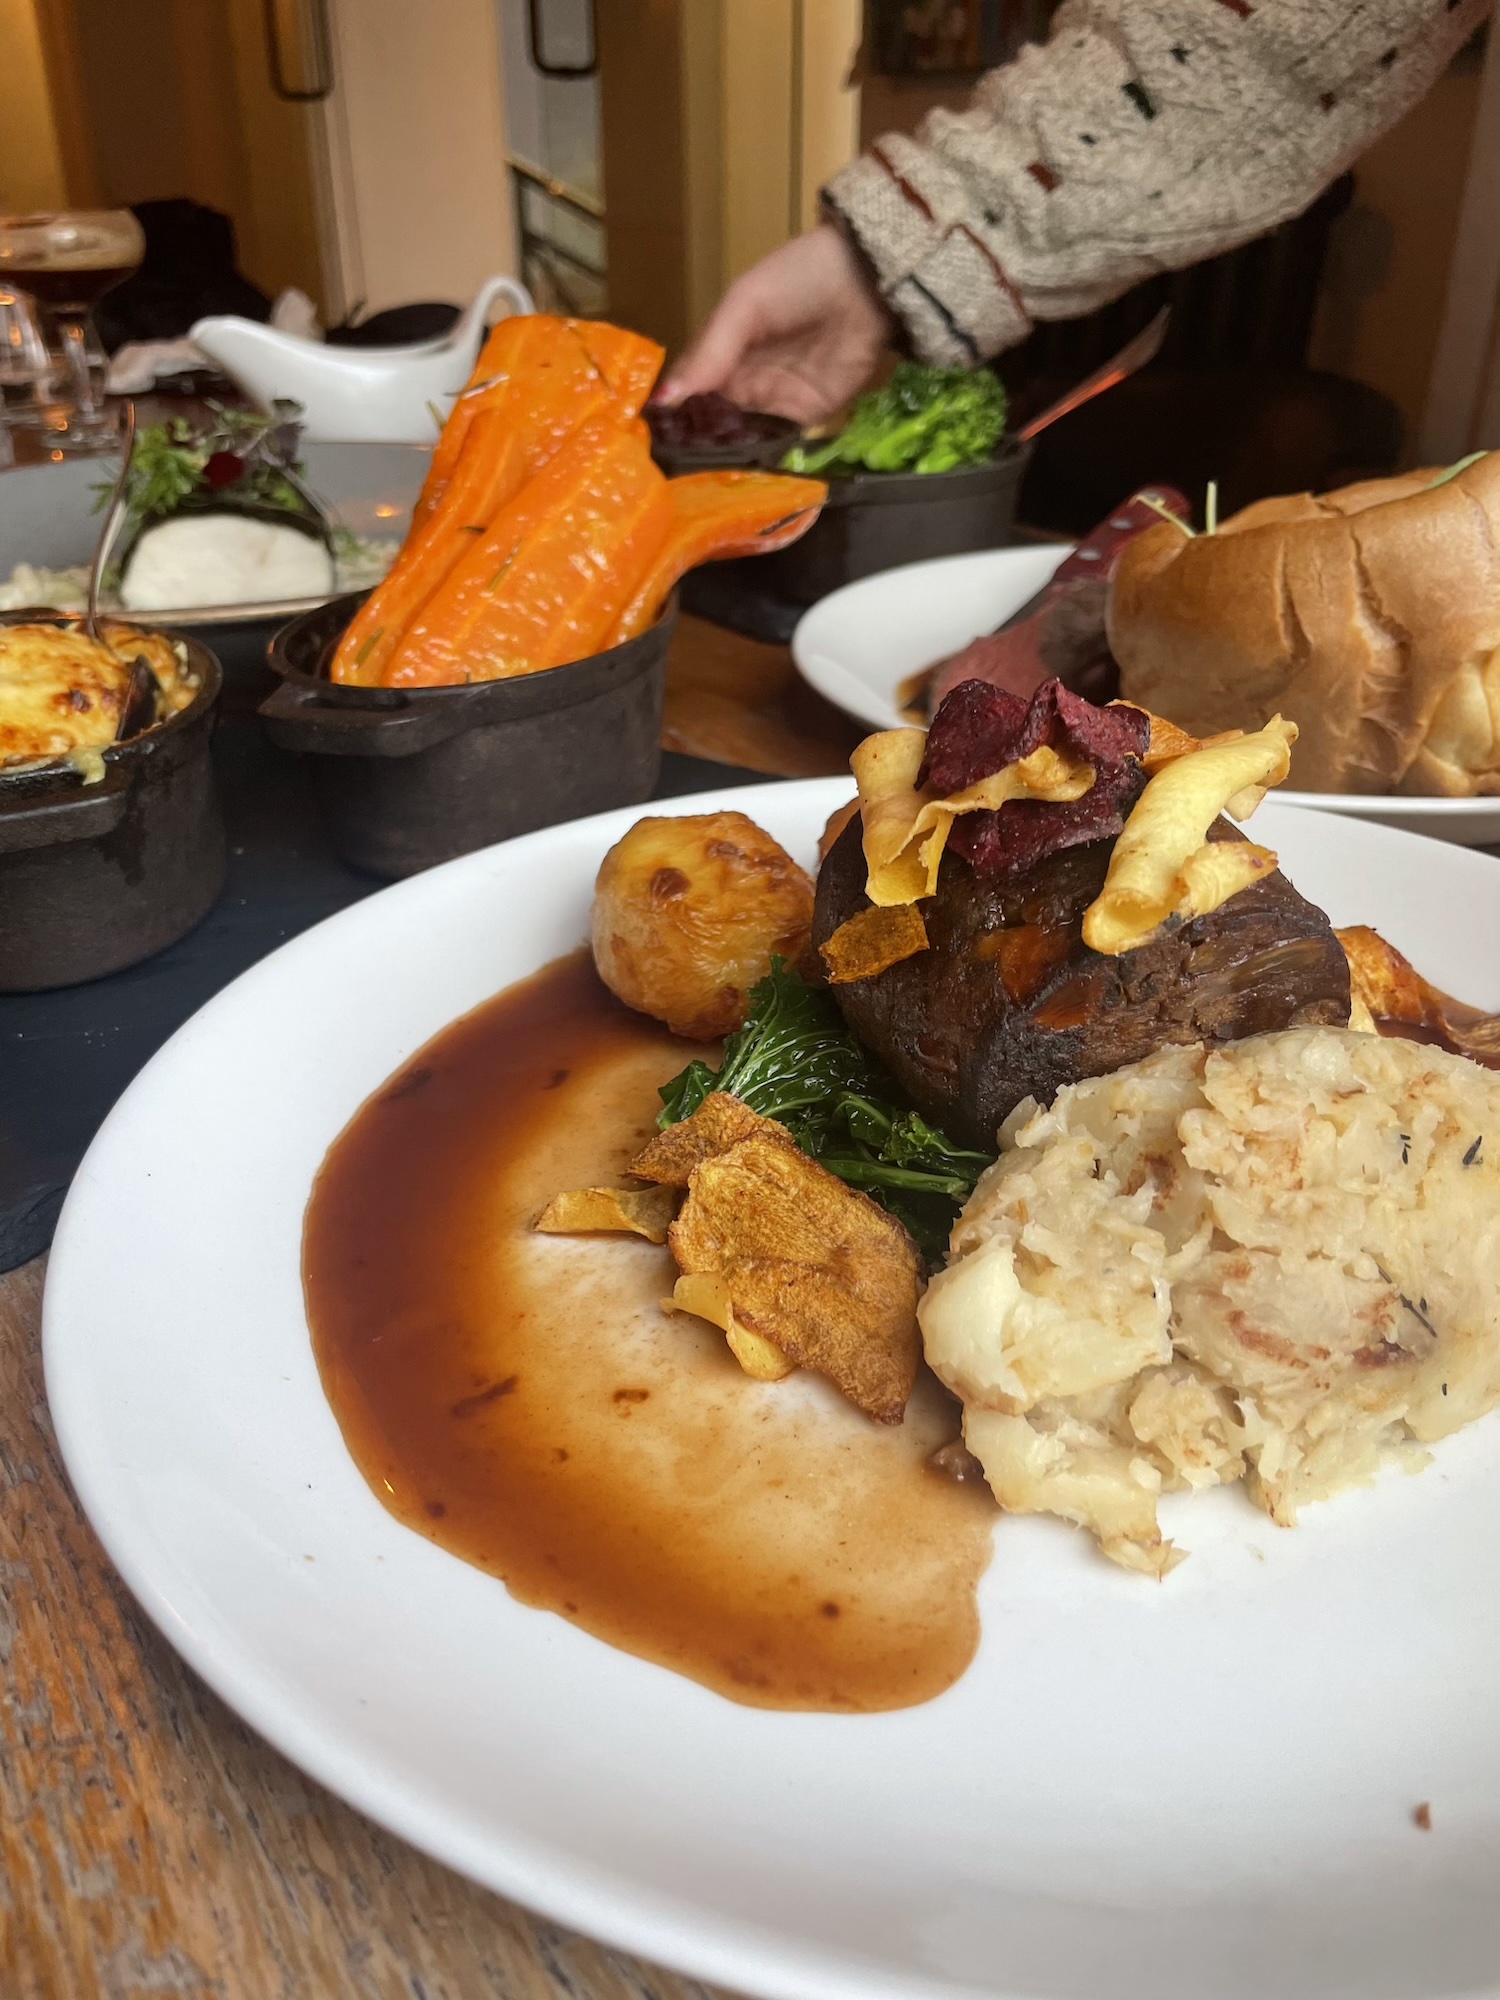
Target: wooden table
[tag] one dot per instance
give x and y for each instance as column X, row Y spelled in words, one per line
column 152, row 1845
column 738, row 701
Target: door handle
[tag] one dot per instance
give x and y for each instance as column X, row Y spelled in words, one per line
column 538, row 57
column 304, row 25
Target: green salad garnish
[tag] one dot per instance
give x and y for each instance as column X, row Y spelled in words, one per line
column 247, row 457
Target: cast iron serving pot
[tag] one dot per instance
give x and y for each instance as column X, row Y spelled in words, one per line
column 764, row 454
column 408, row 777
column 879, row 520
column 97, row 877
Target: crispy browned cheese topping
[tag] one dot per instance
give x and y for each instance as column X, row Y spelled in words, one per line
column 64, row 695
column 872, row 941
column 583, row 1211
column 812, row 1266
column 720, row 1122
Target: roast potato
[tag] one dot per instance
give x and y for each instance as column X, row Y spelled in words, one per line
column 688, row 914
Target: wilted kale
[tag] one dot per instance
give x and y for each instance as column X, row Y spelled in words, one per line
column 795, row 1061
column 923, row 420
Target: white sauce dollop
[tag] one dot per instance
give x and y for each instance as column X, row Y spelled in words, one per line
column 223, row 559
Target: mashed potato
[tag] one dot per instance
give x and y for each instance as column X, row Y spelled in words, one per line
column 1276, row 1261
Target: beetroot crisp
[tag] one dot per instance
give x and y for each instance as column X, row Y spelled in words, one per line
column 979, row 729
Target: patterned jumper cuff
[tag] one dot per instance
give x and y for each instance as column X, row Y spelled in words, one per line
column 934, row 269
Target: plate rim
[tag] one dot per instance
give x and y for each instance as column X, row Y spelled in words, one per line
column 601, row 1903
column 968, row 559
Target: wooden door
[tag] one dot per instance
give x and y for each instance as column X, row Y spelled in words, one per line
column 162, row 99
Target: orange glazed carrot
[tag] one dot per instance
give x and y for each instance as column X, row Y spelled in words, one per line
column 437, row 634
column 590, row 367
column 719, row 514
column 628, row 361
column 615, row 549
column 563, row 390
column 491, row 471
column 511, row 348
column 529, row 408
column 550, row 376
column 550, row 560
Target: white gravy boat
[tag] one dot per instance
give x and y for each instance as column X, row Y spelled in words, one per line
column 397, row 395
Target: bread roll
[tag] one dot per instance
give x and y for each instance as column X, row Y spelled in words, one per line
column 1370, row 617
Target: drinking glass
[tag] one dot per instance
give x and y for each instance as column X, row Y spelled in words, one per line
column 68, row 260
column 24, row 363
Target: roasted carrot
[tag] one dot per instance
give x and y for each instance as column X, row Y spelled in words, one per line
column 511, row 349
column 551, row 375
column 544, row 532
column 439, row 631
column 715, row 515
column 563, row 391
column 509, row 599
column 628, row 361
column 491, row 471
column 611, row 547
column 590, row 366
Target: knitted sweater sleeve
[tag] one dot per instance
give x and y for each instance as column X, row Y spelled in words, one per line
column 1145, row 135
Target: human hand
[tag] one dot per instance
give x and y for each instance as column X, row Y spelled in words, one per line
column 797, row 334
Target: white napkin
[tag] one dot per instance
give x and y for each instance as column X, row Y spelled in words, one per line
column 141, row 362
column 295, row 313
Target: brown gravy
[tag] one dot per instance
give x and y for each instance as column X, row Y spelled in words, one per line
column 1484, row 1050
column 523, row 1401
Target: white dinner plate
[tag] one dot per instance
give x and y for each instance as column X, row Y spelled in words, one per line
column 859, row 644
column 1202, row 1789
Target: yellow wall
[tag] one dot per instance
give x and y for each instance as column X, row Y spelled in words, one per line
column 275, row 210
column 422, row 199
column 31, row 164
column 790, row 117
column 721, row 119
column 168, row 98
column 830, row 98
column 701, row 115
column 644, row 54
column 174, row 98
column 757, row 82
column 1387, row 275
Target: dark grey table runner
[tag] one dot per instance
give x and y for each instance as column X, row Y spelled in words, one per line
column 66, row 1056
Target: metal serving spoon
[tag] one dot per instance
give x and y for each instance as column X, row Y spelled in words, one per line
column 1131, row 357
column 139, row 709
column 109, row 524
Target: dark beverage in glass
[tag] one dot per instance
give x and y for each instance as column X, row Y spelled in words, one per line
column 67, row 260
column 66, row 288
